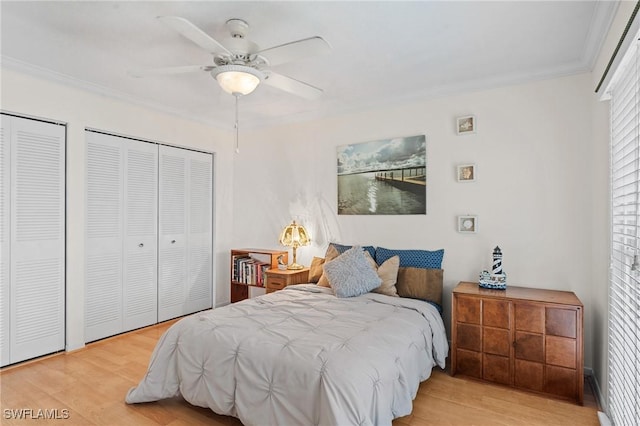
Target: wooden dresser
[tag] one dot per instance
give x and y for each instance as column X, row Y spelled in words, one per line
column 521, row 337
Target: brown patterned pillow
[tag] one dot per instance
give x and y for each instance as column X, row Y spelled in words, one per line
column 331, row 254
column 418, row 283
column 315, row 270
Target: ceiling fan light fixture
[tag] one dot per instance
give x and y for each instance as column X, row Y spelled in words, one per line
column 237, row 79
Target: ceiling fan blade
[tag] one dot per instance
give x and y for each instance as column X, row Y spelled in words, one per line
column 293, row 86
column 195, row 34
column 294, row 50
column 169, row 70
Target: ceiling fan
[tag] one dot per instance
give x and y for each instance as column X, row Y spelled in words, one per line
column 239, row 65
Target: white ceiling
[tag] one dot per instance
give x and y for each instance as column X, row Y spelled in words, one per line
column 382, row 52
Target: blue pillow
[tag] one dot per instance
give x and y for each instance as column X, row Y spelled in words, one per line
column 412, row 258
column 342, row 248
column 351, row 274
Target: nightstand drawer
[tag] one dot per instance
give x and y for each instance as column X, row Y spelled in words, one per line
column 275, row 283
column 277, row 279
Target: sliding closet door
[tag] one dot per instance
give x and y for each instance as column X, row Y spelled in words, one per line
column 5, row 258
column 121, row 245
column 184, row 282
column 37, row 230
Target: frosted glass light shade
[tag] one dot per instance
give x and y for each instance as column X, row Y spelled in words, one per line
column 294, row 236
column 237, row 79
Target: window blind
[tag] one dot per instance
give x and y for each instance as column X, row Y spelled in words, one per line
column 624, row 289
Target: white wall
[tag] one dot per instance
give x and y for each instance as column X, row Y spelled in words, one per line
column 34, row 97
column 532, row 196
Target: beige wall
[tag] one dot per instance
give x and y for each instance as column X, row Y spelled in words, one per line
column 79, row 109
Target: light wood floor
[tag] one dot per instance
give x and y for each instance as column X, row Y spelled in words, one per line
column 91, row 384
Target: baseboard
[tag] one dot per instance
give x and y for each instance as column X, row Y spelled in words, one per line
column 597, row 392
column 603, row 419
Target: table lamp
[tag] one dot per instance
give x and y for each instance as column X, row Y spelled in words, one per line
column 294, row 236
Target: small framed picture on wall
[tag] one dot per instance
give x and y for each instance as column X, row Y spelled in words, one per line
column 468, row 224
column 466, row 125
column 466, row 173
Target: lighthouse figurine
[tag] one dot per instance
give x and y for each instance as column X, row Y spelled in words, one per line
column 497, row 279
column 497, row 261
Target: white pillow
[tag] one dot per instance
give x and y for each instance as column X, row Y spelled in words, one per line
column 351, row 274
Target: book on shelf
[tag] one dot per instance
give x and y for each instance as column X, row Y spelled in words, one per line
column 250, row 268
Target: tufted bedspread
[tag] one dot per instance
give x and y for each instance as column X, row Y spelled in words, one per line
column 300, row 356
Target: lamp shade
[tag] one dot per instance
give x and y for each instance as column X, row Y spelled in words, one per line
column 294, row 236
column 237, row 79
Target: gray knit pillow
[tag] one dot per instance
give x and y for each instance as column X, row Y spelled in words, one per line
column 351, row 274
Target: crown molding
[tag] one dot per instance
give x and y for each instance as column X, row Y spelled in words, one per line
column 603, row 15
column 69, row 81
column 326, row 111
column 470, row 86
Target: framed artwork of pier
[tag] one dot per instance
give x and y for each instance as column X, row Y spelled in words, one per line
column 383, row 177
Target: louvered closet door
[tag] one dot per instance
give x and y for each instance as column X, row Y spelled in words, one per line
column 141, row 235
column 172, row 240
column 121, row 247
column 184, row 282
column 199, row 251
column 37, row 238
column 5, row 258
column 104, row 236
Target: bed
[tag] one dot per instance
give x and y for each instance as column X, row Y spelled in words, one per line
column 300, row 356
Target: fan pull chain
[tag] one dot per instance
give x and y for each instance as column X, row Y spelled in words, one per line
column 236, row 124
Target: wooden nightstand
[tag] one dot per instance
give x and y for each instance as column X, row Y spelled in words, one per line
column 277, row 279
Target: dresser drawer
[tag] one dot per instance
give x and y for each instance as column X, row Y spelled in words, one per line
column 467, row 310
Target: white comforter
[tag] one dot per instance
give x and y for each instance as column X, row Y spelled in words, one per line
column 300, row 356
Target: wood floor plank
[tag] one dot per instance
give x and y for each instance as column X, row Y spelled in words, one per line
column 472, row 402
column 91, row 384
